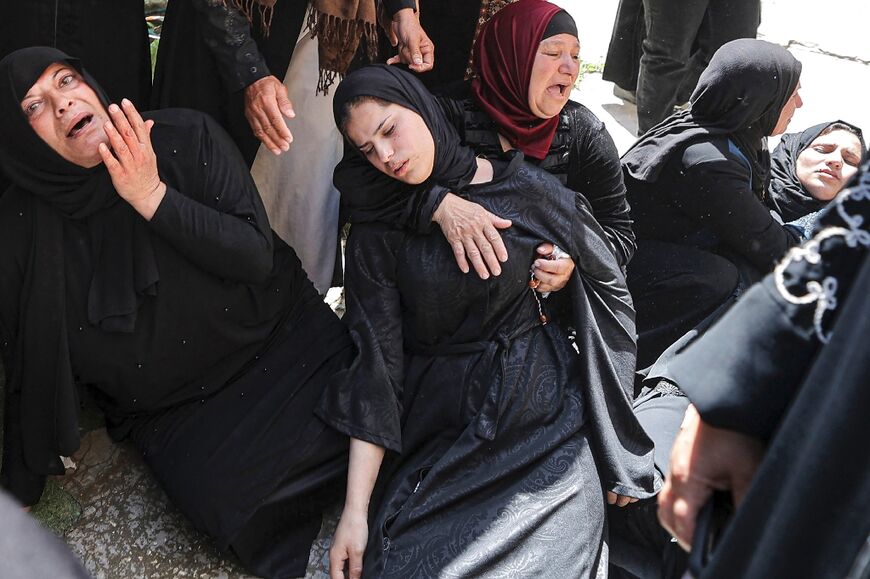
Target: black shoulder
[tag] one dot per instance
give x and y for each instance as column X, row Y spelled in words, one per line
column 579, row 116
column 709, row 150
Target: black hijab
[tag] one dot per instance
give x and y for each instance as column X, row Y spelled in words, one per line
column 124, row 267
column 740, row 94
column 787, row 195
column 454, row 164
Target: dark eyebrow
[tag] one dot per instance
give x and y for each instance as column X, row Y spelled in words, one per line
column 381, row 125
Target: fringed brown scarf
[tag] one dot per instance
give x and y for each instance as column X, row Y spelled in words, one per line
column 338, row 25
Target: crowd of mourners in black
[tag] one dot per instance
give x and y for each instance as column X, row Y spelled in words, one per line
column 554, row 362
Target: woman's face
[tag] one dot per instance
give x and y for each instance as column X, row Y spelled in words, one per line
column 394, row 139
column 556, row 66
column 793, row 103
column 828, row 163
column 67, row 114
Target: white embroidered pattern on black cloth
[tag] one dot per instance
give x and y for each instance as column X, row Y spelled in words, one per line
column 824, row 294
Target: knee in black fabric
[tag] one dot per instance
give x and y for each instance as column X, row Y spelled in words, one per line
column 715, row 280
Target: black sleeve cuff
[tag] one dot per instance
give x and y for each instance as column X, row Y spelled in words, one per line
column 394, row 6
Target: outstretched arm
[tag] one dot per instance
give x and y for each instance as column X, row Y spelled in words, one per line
column 227, row 33
column 351, row 535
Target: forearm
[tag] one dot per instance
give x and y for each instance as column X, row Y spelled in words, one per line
column 234, row 244
column 365, row 463
column 596, row 173
column 227, row 33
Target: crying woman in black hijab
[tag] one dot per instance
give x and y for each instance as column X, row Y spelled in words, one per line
column 809, row 168
column 696, row 184
column 137, row 258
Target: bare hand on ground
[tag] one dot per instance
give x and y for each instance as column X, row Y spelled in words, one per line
column 131, row 162
column 348, row 545
column 472, row 232
column 704, row 459
column 415, row 47
column 266, row 105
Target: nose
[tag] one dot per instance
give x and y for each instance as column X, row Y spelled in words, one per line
column 384, row 152
column 568, row 65
column 835, row 160
column 798, row 101
column 61, row 105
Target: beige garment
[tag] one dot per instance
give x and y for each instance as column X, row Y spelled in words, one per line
column 296, row 186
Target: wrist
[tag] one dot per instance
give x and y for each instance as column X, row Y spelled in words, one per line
column 147, row 205
column 356, row 507
column 404, row 14
column 442, row 208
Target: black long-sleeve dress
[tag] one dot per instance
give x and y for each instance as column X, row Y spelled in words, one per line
column 582, row 156
column 789, row 365
column 501, row 425
column 217, row 382
column 209, row 52
column 700, row 227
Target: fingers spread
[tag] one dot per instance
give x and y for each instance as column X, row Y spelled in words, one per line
column 119, row 146
column 109, row 159
column 123, row 127
column 494, row 238
column 136, row 121
column 473, row 255
column 487, row 252
column 459, row 255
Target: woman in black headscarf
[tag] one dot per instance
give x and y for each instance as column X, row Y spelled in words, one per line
column 696, row 183
column 527, row 51
column 809, row 168
column 495, row 423
column 149, row 272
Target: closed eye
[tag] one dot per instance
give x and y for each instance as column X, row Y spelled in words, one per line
column 852, row 160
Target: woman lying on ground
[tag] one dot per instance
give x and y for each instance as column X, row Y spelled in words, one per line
column 495, row 423
column 780, row 387
column 526, row 63
column 696, row 183
column 137, row 259
column 809, row 168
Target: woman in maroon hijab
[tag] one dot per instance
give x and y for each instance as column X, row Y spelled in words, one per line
column 526, row 63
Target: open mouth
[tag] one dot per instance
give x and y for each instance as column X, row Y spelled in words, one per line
column 558, row 90
column 80, row 126
column 401, row 168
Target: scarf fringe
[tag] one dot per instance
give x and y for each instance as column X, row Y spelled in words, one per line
column 266, row 10
column 338, row 39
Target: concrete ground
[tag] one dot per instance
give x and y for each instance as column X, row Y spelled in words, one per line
column 110, row 510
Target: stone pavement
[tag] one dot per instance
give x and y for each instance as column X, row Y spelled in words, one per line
column 110, row 510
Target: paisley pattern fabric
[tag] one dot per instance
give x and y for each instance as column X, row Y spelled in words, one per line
column 494, row 417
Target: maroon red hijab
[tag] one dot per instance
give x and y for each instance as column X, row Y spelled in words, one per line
column 503, row 58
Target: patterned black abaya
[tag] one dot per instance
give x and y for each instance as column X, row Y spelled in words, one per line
column 504, row 433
